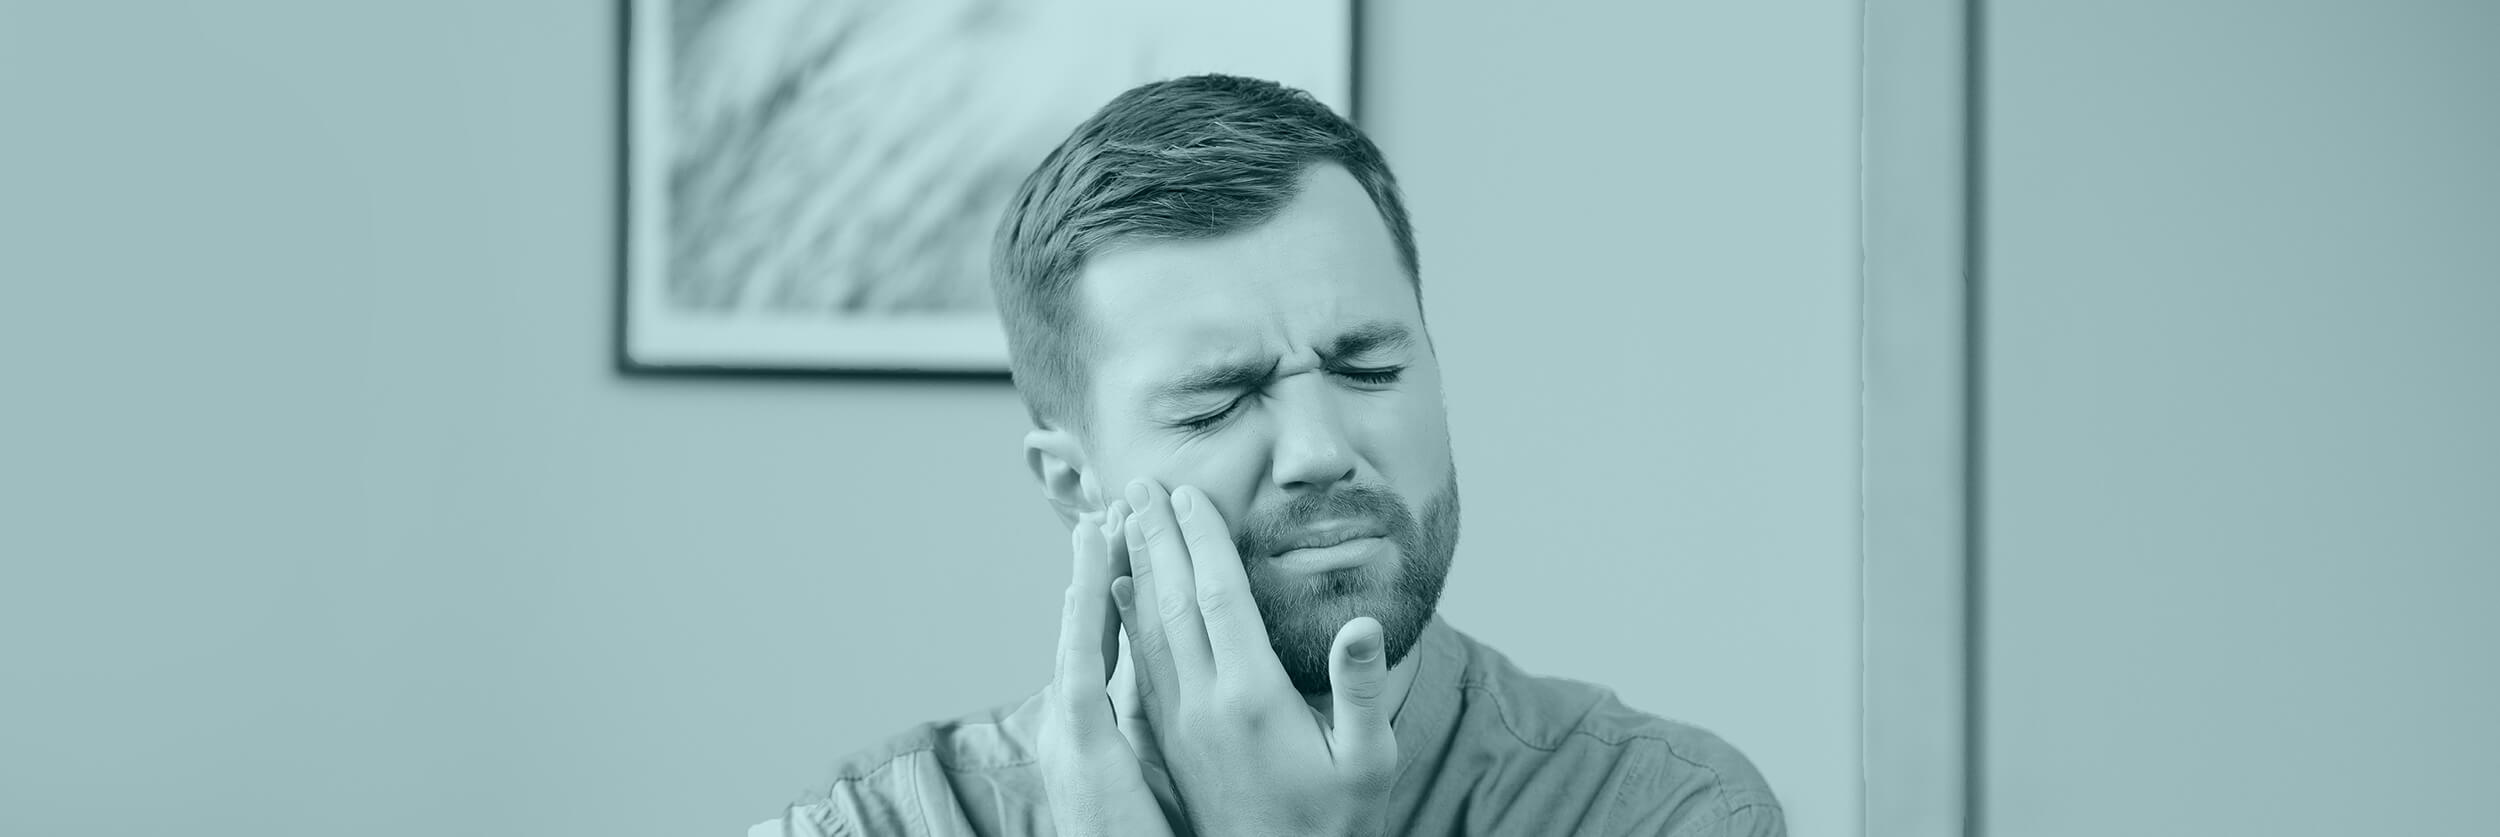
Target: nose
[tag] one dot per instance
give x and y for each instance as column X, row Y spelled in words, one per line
column 1313, row 451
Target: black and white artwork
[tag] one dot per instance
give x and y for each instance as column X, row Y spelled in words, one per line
column 812, row 185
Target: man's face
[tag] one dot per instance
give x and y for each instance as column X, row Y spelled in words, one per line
column 1284, row 371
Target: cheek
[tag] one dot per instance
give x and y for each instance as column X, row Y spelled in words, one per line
column 1226, row 467
column 1411, row 438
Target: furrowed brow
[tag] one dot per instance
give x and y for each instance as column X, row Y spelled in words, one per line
column 1371, row 336
column 1181, row 392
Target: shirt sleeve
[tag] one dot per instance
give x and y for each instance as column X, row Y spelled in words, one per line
column 802, row 821
column 1694, row 788
column 1755, row 820
column 880, row 803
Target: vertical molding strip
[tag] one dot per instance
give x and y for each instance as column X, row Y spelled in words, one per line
column 1915, row 327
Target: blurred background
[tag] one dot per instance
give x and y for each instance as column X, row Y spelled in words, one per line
column 324, row 510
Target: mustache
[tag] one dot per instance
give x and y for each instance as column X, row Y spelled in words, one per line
column 1267, row 529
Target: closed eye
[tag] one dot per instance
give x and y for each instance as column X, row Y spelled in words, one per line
column 1375, row 377
column 1371, row 377
column 1212, row 419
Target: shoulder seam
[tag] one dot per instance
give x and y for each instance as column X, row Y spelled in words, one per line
column 831, row 818
column 931, row 751
column 880, row 768
column 1721, row 818
column 1501, row 709
column 1722, row 796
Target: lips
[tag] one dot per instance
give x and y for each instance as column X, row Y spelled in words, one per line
column 1327, row 535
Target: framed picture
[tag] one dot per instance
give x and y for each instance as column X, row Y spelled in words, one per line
column 812, row 185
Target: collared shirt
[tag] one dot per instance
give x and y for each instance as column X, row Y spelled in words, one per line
column 1483, row 748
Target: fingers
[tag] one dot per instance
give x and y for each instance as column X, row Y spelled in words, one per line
column 1358, row 682
column 1083, row 618
column 1152, row 530
column 1135, row 710
column 1124, row 596
column 1113, row 556
column 1128, row 698
column 1236, row 635
column 1148, row 648
column 1095, row 784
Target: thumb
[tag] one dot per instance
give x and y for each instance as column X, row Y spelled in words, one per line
column 1358, row 683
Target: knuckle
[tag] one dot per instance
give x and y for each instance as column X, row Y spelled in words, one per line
column 1234, row 707
column 1061, row 708
column 1151, row 655
column 1063, row 746
column 1214, row 604
column 1236, row 700
column 1173, row 609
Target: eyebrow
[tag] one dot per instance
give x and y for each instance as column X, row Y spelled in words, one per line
column 1370, row 336
column 1180, row 392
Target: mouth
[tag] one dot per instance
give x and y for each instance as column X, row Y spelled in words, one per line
column 1325, row 535
column 1344, row 554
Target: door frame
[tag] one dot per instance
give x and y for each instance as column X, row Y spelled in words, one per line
column 1920, row 451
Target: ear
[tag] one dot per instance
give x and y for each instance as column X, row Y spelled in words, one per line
column 1057, row 458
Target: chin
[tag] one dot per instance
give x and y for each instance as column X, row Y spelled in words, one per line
column 1304, row 612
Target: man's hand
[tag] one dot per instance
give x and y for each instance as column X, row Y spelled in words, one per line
column 1093, row 778
column 1248, row 755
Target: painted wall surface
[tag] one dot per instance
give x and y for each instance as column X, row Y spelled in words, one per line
column 1639, row 232
column 325, row 512
column 2242, row 480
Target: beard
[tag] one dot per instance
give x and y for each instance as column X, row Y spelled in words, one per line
column 1303, row 612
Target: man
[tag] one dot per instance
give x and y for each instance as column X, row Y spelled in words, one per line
column 1212, row 299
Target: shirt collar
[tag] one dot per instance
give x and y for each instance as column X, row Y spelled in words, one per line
column 1431, row 704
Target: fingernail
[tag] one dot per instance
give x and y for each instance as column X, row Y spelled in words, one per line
column 1182, row 504
column 1364, row 648
column 1138, row 498
column 1122, row 593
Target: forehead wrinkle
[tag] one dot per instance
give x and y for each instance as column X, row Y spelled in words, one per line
column 1247, row 371
column 1219, row 376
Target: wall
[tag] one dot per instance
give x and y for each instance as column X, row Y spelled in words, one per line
column 2241, row 475
column 1639, row 233
column 325, row 512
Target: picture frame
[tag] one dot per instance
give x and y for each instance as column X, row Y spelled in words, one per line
column 811, row 187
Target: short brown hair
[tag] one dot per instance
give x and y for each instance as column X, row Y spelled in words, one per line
column 1187, row 158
